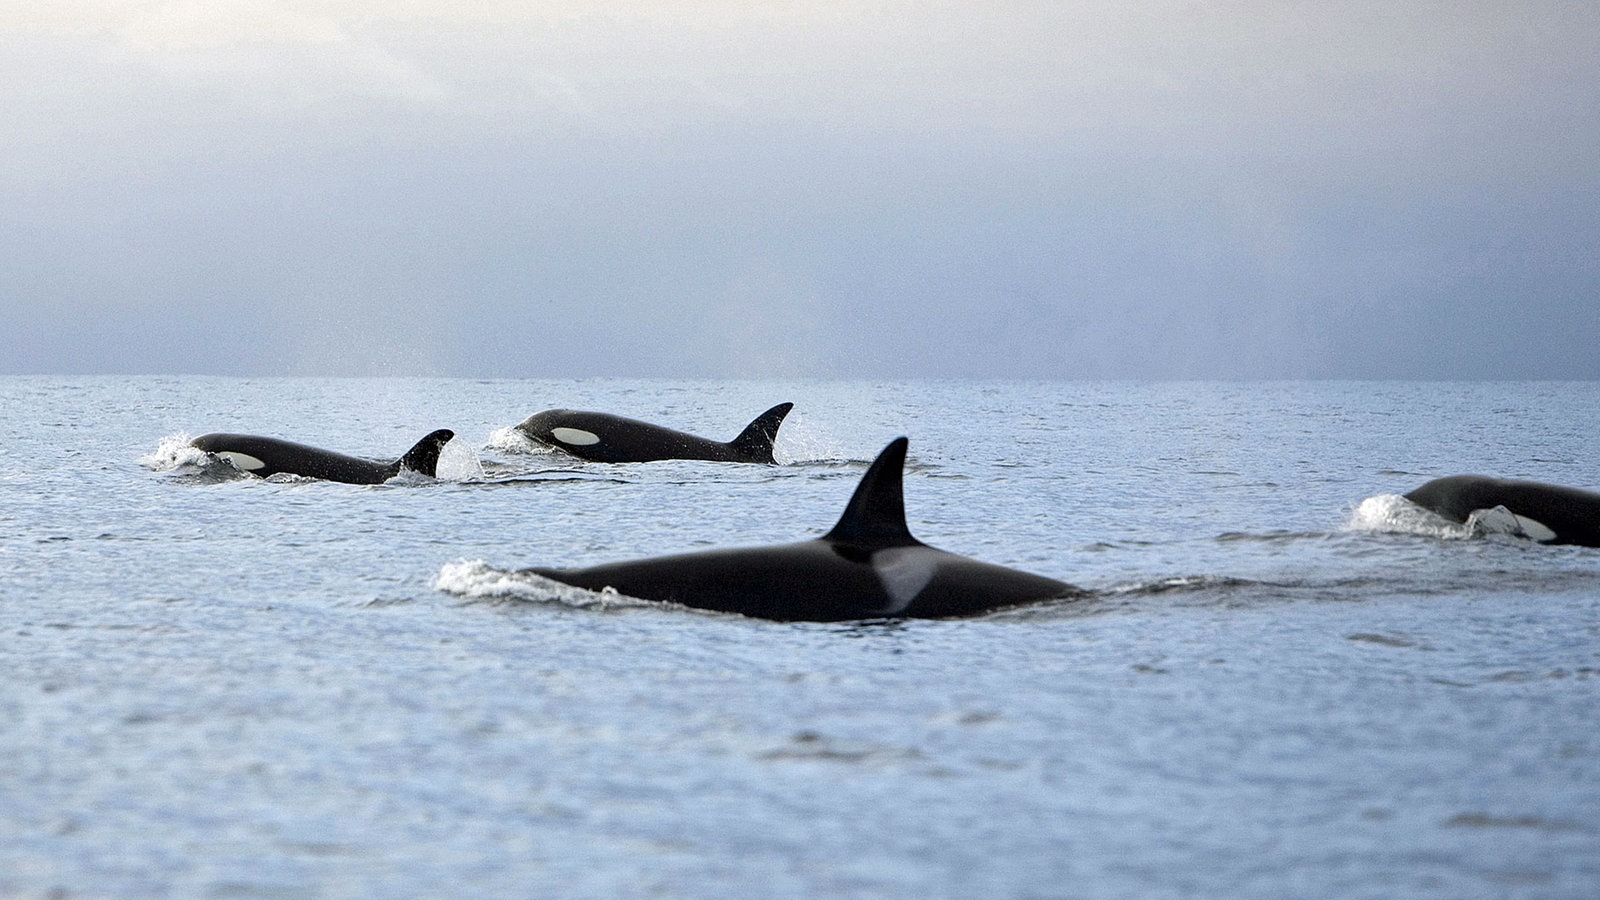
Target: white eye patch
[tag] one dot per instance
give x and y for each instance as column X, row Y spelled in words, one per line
column 575, row 436
column 242, row 461
column 1500, row 520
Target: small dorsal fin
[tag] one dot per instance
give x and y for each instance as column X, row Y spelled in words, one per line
column 754, row 443
column 424, row 457
column 876, row 515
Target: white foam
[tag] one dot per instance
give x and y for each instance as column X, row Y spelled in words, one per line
column 801, row 441
column 174, row 451
column 477, row 580
column 458, row 462
column 1394, row 513
column 513, row 440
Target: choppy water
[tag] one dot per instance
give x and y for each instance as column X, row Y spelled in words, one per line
column 1287, row 685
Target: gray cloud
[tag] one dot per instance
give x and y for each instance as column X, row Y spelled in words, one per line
column 1010, row 189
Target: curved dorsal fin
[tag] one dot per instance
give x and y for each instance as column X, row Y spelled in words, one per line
column 424, row 457
column 876, row 515
column 754, row 443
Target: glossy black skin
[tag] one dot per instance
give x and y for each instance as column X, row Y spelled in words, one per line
column 630, row 440
column 1572, row 514
column 831, row 578
column 312, row 462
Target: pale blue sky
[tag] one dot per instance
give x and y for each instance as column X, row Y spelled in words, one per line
column 896, row 189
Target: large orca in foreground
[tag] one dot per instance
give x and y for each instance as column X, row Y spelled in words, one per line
column 266, row 456
column 602, row 437
column 1543, row 512
column 868, row 567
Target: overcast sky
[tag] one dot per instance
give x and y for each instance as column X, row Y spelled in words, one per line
column 1062, row 189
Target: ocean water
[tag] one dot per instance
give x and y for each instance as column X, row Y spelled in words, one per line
column 1287, row 682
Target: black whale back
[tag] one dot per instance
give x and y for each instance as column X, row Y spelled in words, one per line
column 604, row 437
column 286, row 457
column 1573, row 514
column 867, row 567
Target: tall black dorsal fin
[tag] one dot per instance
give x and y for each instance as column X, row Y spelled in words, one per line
column 424, row 457
column 876, row 515
column 754, row 443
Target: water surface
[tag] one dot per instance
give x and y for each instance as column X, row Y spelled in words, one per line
column 228, row 687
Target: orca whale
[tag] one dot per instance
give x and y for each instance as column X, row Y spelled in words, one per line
column 265, row 456
column 1546, row 513
column 868, row 567
column 602, row 437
